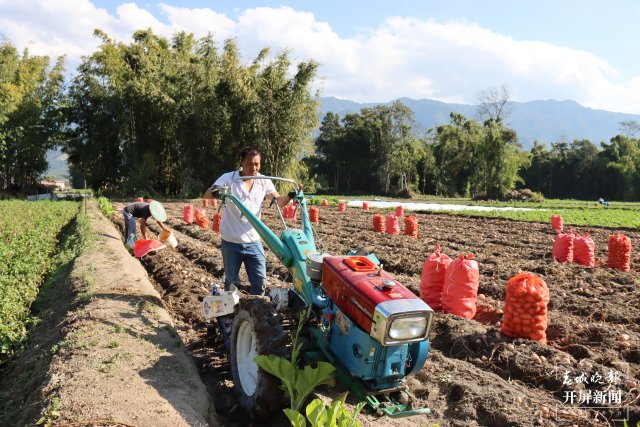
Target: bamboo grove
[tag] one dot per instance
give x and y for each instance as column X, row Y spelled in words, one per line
column 166, row 117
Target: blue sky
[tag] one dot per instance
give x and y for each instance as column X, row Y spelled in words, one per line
column 371, row 51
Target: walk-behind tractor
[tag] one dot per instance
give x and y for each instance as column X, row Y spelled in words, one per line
column 357, row 317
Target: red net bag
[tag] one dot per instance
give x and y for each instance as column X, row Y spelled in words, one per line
column 314, row 214
column 525, row 308
column 325, row 203
column 342, row 206
column 214, row 203
column 411, row 226
column 432, row 281
column 584, row 250
column 400, row 210
column 378, row 223
column 289, row 211
column 460, row 289
column 620, row 252
column 365, row 206
column 205, row 202
column 557, row 224
column 139, row 200
column 563, row 247
column 201, row 218
column 392, row 225
column 216, row 222
column 187, row 213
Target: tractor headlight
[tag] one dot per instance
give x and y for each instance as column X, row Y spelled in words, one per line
column 408, row 328
column 401, row 321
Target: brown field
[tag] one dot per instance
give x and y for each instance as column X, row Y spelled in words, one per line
column 474, row 375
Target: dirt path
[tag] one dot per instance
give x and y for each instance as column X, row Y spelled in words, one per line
column 121, row 359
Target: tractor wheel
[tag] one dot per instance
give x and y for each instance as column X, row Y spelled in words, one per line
column 257, row 330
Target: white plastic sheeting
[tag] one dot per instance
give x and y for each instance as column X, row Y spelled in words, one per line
column 434, row 206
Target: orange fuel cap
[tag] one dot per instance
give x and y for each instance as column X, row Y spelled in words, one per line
column 361, row 264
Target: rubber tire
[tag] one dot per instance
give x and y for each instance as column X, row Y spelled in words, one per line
column 268, row 397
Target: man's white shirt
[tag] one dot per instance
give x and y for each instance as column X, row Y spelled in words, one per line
column 234, row 227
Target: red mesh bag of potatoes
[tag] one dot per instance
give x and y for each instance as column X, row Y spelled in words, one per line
column 584, row 250
column 287, row 211
column 460, row 289
column 392, row 226
column 619, row 252
column 563, row 247
column 201, row 218
column 217, row 217
column 525, row 308
column 433, row 271
column 411, row 226
column 557, row 223
column 187, row 213
column 314, row 214
column 378, row 223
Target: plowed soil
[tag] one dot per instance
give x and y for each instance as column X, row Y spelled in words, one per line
column 586, row 375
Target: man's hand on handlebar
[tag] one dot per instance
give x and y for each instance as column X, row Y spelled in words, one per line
column 216, row 191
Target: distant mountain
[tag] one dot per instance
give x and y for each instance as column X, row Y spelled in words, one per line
column 544, row 121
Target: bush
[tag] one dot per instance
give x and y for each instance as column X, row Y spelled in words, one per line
column 524, row 195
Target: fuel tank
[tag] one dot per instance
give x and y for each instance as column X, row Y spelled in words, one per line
column 356, row 285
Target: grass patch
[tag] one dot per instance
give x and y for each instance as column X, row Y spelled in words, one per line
column 601, row 217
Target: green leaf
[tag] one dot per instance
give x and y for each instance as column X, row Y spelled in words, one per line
column 278, row 366
column 335, row 410
column 283, row 369
column 316, row 413
column 296, row 418
column 309, row 378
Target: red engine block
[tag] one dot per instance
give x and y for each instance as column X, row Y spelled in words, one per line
column 356, row 287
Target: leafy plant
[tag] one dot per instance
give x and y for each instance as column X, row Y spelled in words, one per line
column 321, row 415
column 105, row 206
column 298, row 383
column 28, row 248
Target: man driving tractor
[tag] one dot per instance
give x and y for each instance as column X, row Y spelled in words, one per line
column 240, row 241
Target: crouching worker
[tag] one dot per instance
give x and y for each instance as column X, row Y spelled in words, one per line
column 142, row 211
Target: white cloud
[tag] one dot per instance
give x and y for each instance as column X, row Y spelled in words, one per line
column 452, row 61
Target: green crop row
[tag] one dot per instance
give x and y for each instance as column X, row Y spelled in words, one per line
column 585, row 217
column 29, row 233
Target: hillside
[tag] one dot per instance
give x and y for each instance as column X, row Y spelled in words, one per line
column 545, row 121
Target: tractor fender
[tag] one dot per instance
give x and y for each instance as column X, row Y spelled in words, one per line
column 418, row 353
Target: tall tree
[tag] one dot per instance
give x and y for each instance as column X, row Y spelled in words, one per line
column 500, row 157
column 167, row 116
column 494, row 104
column 30, row 115
column 456, row 146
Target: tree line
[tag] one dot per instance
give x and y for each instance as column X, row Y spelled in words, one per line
column 166, row 116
